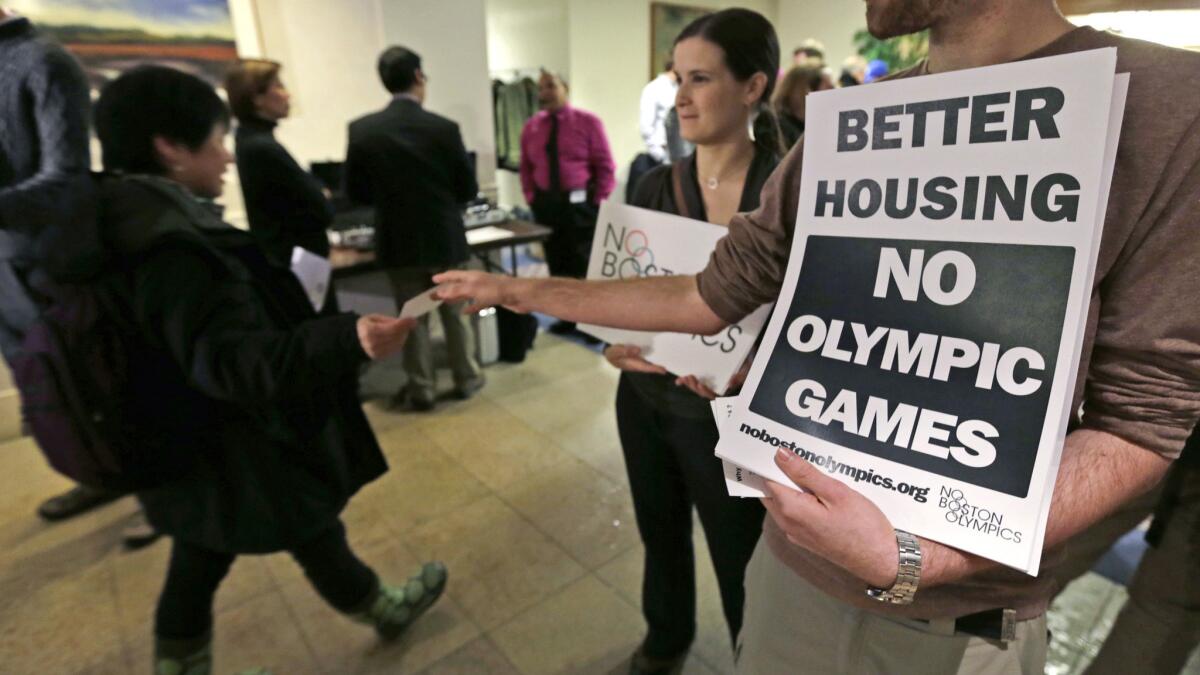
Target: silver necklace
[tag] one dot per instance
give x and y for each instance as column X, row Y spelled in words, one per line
column 712, row 183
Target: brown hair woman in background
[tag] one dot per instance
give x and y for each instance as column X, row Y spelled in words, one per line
column 286, row 205
column 789, row 99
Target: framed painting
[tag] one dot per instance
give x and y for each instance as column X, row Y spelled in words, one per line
column 111, row 36
column 666, row 22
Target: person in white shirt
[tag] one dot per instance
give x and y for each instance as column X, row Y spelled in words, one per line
column 658, row 97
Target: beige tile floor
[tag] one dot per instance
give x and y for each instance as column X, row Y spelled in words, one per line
column 521, row 491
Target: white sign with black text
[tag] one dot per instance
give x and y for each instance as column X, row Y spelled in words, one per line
column 738, row 481
column 633, row 242
column 925, row 346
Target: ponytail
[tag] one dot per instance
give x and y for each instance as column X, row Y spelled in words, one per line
column 768, row 137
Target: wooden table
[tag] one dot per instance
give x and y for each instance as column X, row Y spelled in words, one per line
column 348, row 261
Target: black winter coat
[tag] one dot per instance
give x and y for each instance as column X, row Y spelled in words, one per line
column 412, row 166
column 269, row 414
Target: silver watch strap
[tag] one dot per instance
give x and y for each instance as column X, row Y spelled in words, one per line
column 908, row 576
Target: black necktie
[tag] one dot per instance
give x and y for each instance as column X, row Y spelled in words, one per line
column 552, row 154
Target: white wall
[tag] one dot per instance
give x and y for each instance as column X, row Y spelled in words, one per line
column 609, row 44
column 527, row 34
column 328, row 52
column 451, row 38
column 832, row 22
column 521, row 35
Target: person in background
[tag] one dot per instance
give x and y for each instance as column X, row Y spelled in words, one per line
column 658, row 98
column 566, row 171
column 789, row 99
column 44, row 163
column 727, row 62
column 1159, row 625
column 809, row 53
column 271, row 437
column 412, row 165
column 287, row 206
column 854, row 69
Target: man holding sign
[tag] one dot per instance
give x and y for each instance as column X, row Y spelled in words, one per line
column 1138, row 371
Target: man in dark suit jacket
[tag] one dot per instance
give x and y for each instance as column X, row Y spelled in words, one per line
column 412, row 165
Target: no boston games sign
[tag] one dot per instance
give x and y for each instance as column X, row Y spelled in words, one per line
column 926, row 342
column 876, row 379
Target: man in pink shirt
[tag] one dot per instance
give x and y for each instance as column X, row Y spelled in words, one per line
column 566, row 171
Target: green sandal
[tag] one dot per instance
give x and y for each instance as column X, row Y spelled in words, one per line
column 393, row 609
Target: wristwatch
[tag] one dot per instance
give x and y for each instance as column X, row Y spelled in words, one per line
column 908, row 576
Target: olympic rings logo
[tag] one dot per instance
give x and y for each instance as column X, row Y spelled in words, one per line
column 956, row 504
column 637, row 245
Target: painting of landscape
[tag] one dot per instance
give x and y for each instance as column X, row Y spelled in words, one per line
column 111, row 36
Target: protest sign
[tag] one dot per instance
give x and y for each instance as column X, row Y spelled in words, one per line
column 738, row 481
column 926, row 342
column 632, row 242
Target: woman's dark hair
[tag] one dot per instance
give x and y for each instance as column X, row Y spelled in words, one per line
column 750, row 46
column 247, row 80
column 398, row 68
column 151, row 101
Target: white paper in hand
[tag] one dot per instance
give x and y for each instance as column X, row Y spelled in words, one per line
column 420, row 305
column 314, row 273
column 738, row 481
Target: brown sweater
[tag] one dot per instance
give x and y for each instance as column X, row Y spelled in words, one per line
column 1140, row 368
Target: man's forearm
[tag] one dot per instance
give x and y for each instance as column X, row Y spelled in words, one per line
column 651, row 304
column 1099, row 472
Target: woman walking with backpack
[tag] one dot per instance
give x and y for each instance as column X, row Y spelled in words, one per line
column 245, row 391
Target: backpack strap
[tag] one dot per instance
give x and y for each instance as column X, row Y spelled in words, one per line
column 681, row 206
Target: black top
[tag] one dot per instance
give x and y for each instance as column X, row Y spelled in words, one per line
column 412, row 166
column 655, row 191
column 284, row 203
column 271, row 413
column 44, row 159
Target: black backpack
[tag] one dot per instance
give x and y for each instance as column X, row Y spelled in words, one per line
column 75, row 377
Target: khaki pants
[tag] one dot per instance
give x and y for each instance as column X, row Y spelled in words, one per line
column 407, row 282
column 1159, row 625
column 792, row 627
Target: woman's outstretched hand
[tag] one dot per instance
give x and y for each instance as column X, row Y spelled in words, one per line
column 629, row 357
column 381, row 335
